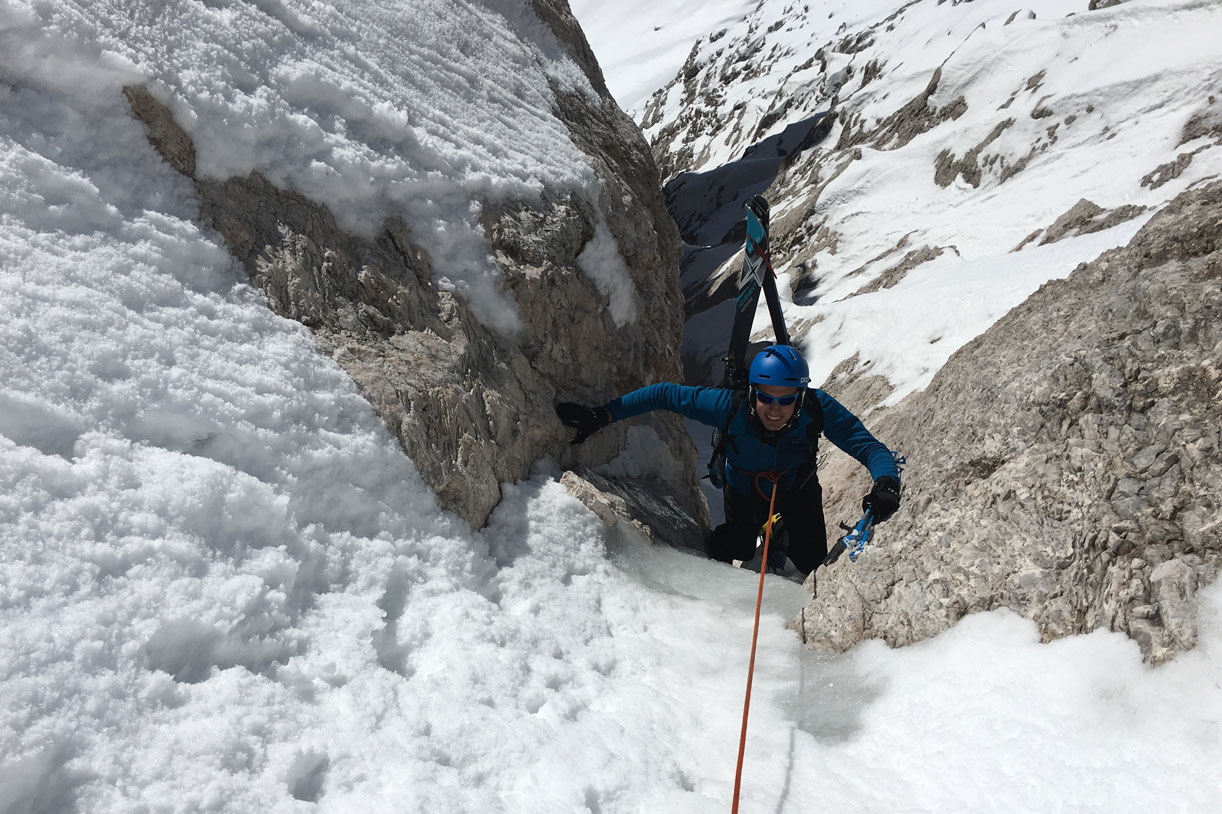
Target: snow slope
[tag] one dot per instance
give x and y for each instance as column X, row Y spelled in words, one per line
column 224, row 588
column 641, row 46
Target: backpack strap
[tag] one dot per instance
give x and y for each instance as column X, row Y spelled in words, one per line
column 717, row 461
column 814, row 429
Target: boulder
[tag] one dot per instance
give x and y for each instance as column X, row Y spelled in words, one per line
column 472, row 406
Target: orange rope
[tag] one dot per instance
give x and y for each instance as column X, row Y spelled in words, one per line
column 772, row 476
column 759, row 601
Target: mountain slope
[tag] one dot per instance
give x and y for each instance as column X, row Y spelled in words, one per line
column 960, row 132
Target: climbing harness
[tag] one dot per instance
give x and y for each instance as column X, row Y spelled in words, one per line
column 759, row 601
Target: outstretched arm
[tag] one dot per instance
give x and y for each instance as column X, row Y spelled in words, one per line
column 707, row 405
column 846, row 431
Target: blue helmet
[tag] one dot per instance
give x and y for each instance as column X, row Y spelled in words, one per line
column 779, row 365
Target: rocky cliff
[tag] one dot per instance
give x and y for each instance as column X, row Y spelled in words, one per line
column 1066, row 464
column 471, row 404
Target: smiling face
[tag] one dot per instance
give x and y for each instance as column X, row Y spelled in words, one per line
column 775, row 415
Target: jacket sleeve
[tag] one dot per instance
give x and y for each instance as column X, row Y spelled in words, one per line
column 708, row 405
column 846, row 431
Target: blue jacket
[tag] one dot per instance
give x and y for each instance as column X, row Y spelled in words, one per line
column 752, row 450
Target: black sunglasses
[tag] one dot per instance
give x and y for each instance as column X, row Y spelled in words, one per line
column 784, row 401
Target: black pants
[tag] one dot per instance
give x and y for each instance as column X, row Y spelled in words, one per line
column 801, row 510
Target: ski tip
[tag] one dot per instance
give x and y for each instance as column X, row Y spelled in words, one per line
column 760, row 207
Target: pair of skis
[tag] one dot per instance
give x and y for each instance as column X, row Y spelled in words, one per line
column 756, row 275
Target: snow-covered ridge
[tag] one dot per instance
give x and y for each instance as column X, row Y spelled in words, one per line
column 418, row 110
column 640, row 45
column 962, row 132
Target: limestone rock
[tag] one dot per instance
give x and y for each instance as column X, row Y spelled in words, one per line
column 1081, row 487
column 611, row 508
column 474, row 408
column 1083, row 218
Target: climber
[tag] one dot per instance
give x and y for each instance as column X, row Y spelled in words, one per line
column 771, row 432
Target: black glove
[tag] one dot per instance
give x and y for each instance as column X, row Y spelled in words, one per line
column 585, row 420
column 883, row 500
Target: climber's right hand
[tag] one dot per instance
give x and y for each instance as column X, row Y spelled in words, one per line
column 586, row 420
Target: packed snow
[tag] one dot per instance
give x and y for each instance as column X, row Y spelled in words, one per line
column 224, row 588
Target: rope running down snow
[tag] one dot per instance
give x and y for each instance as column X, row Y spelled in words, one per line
column 759, row 600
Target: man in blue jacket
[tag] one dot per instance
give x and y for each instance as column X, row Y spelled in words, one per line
column 771, row 436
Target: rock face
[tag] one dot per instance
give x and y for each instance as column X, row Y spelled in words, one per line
column 1065, row 464
column 1083, row 218
column 472, row 407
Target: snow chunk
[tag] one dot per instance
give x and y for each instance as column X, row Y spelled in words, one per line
column 603, row 263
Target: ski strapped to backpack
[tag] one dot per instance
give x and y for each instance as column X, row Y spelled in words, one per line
column 755, row 276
